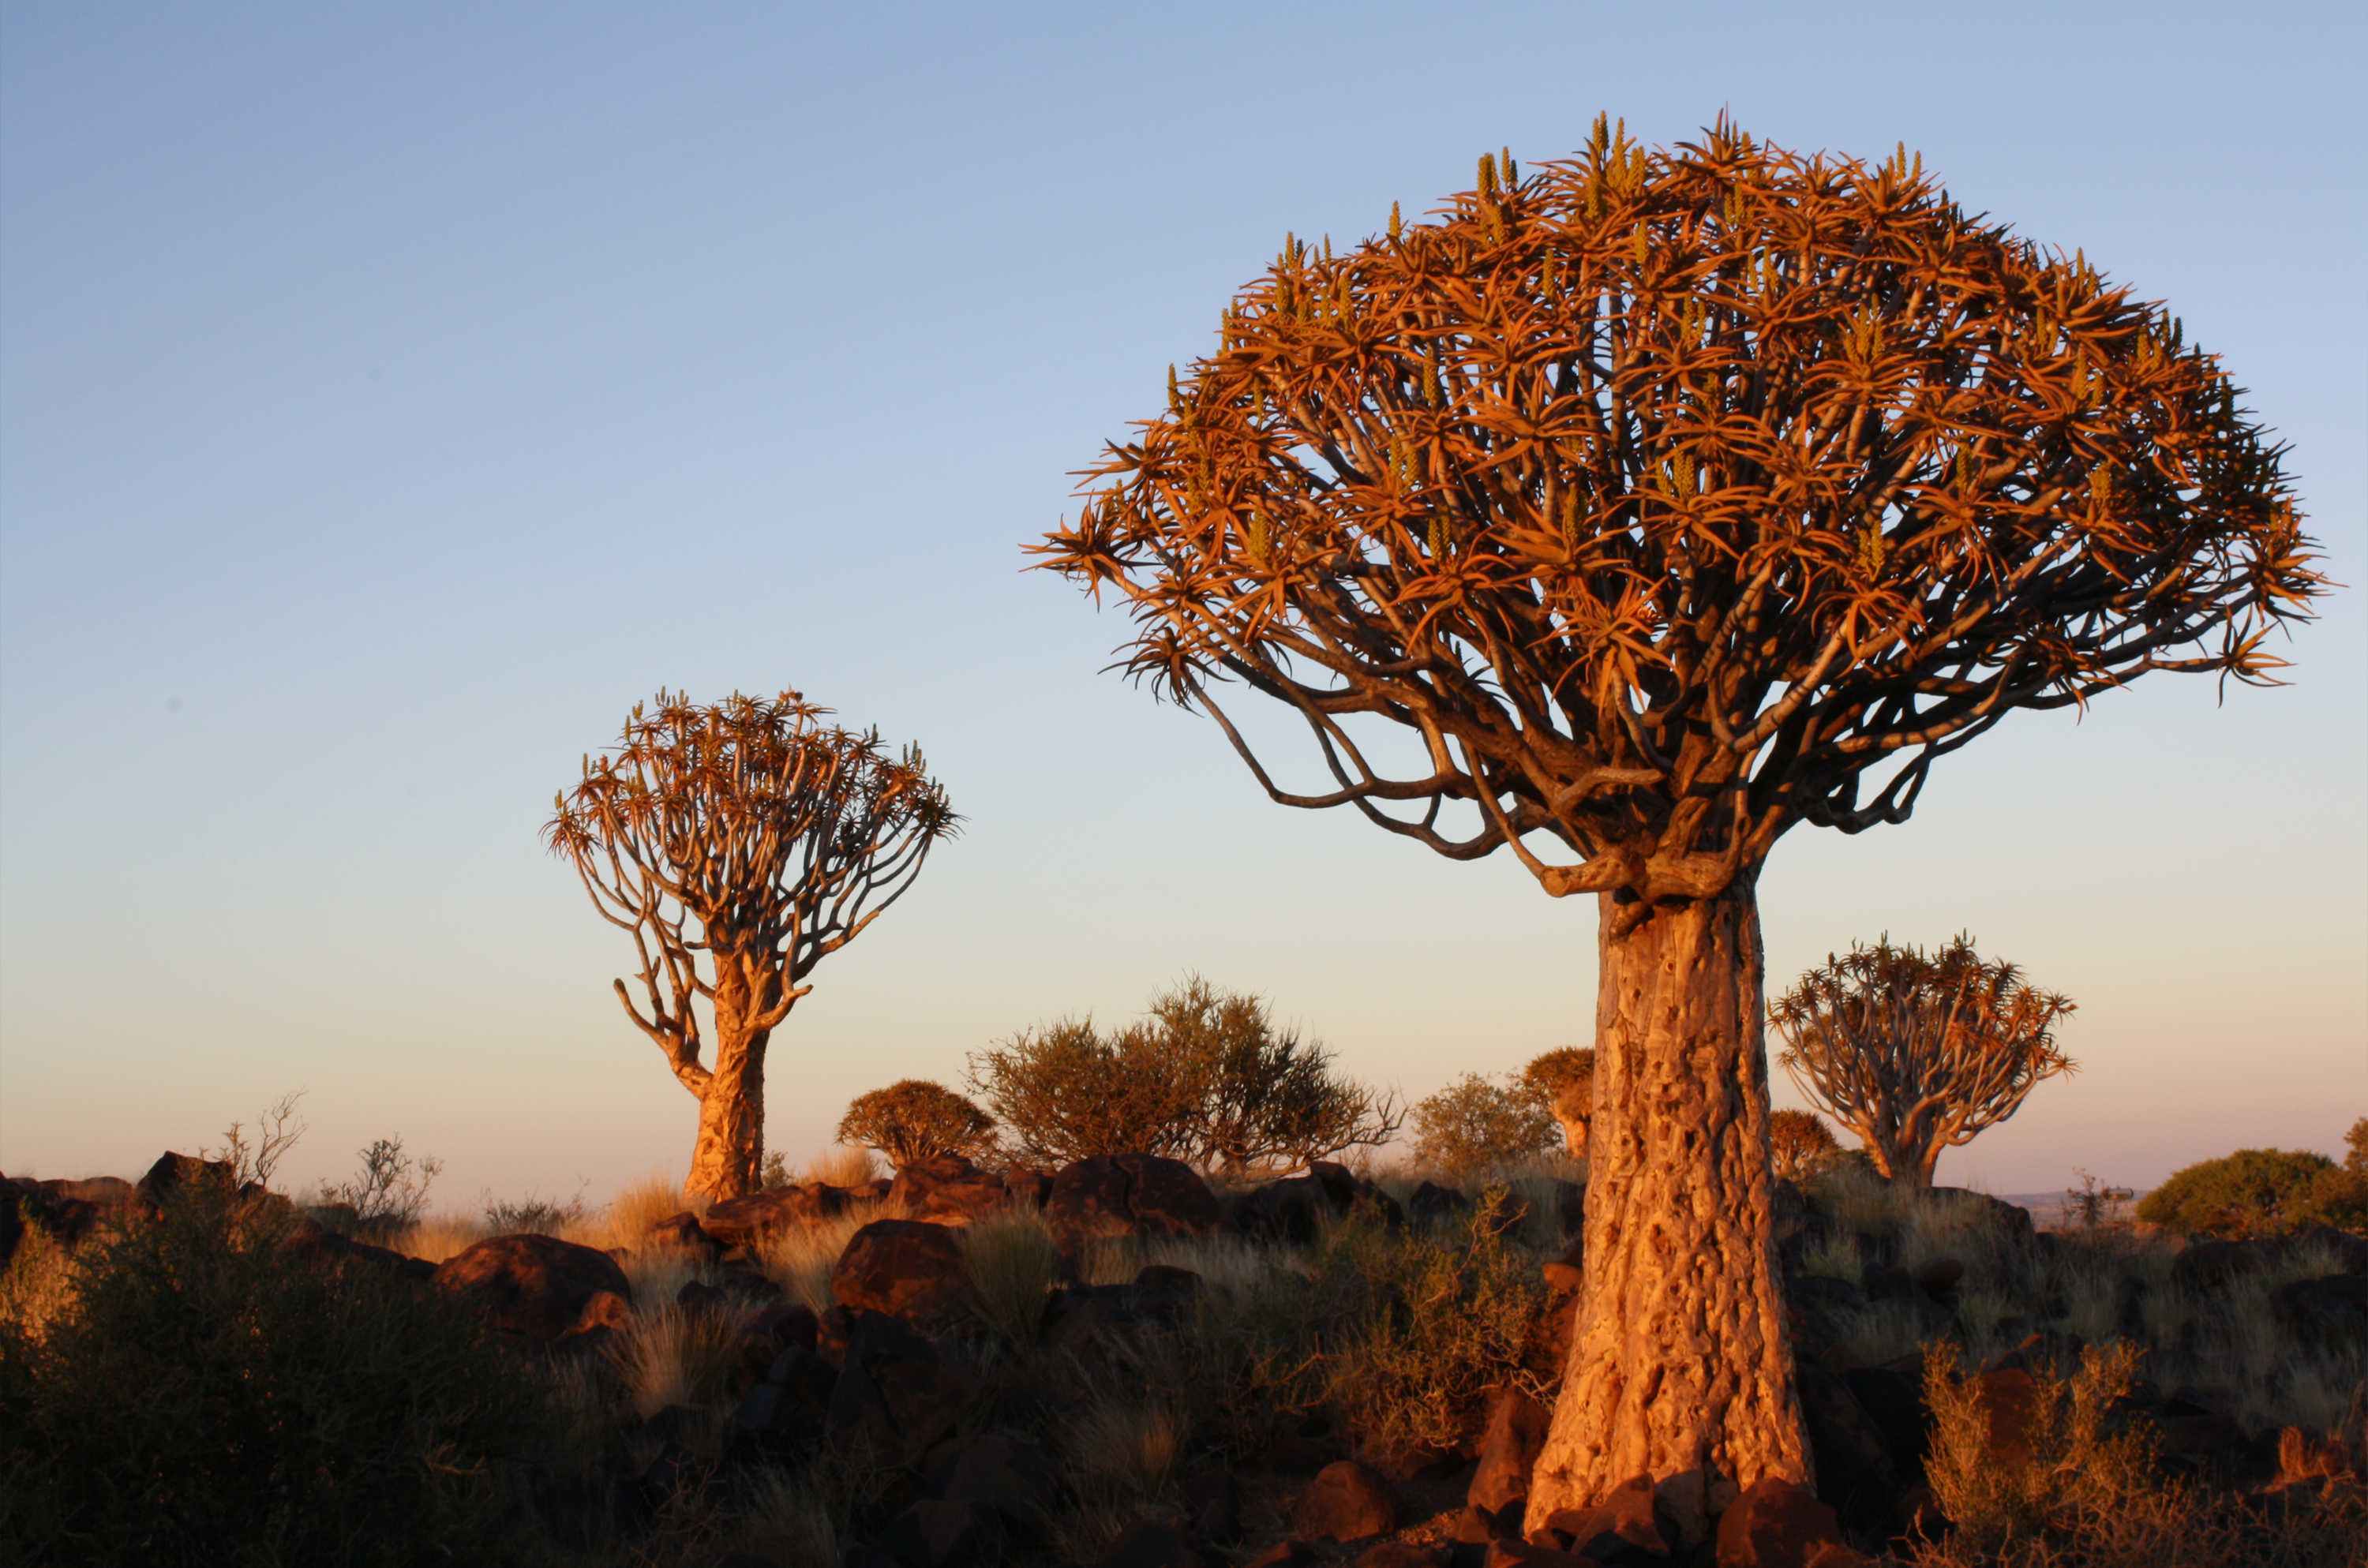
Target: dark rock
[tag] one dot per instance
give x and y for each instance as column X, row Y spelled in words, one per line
column 1509, row 1442
column 764, row 1411
column 895, row 1396
column 1215, row 1504
column 1939, row 1277
column 1825, row 1295
column 103, row 1192
column 1090, row 1321
column 1296, row 1453
column 2043, row 1348
column 1620, row 1530
column 2012, row 1221
column 1892, row 1284
column 1776, row 1524
column 967, row 1533
column 698, row 1298
column 2203, row 1435
column 678, row 1478
column 1347, row 1501
column 1475, row 1526
column 533, row 1285
column 1027, row 1189
column 947, row 1188
column 780, row 1327
column 683, row 1230
column 172, row 1172
column 1856, row 1476
column 1150, row 1543
column 1131, row 1194
column 1289, row 1552
column 1403, row 1554
column 1006, row 1474
column 2330, row 1312
column 908, row 1268
column 1894, row 1402
column 1431, row 1204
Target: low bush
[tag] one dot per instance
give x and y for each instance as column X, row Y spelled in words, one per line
column 1474, row 1126
column 2253, row 1192
column 202, row 1398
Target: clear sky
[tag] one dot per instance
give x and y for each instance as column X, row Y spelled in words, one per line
column 390, row 397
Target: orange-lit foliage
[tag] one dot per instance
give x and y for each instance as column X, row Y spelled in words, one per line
column 1668, row 493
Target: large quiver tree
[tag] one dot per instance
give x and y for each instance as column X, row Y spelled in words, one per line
column 740, row 843
column 1671, row 498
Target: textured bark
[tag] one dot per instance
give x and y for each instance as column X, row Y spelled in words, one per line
column 1679, row 1366
column 728, row 1160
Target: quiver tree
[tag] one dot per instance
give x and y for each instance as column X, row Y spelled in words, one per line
column 1564, row 1080
column 1915, row 1052
column 1662, row 500
column 1799, row 1143
column 740, row 843
column 916, row 1119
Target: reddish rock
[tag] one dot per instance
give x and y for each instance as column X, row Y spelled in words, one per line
column 1776, row 1524
column 1516, row 1430
column 1622, row 1524
column 1518, row 1553
column 2008, row 1402
column 682, row 1230
column 1404, row 1554
column 1289, row 1552
column 748, row 1219
column 1131, row 1194
column 907, row 1268
column 538, row 1286
column 1346, row 1501
column 947, row 1188
column 1027, row 1189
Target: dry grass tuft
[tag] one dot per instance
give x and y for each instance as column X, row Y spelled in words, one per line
column 439, row 1237
column 789, row 1520
column 846, row 1166
column 677, row 1357
column 800, row 1259
column 1224, row 1263
column 1013, row 1259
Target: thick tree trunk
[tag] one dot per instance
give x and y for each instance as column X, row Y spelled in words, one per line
column 1678, row 1368
column 728, row 1160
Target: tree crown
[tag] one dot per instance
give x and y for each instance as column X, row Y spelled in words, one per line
column 916, row 1119
column 1666, row 494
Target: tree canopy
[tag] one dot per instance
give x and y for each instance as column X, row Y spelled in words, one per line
column 1670, row 494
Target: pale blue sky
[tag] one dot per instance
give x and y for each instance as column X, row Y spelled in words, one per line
column 391, row 396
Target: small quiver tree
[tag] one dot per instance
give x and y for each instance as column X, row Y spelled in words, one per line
column 1564, row 1080
column 1915, row 1052
column 1664, row 499
column 740, row 845
column 1799, row 1143
column 916, row 1119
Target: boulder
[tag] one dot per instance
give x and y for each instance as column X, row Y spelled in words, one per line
column 1516, row 1553
column 1289, row 1552
column 2009, row 1401
column 1856, row 1476
column 907, row 1268
column 895, row 1397
column 947, row 1188
column 1776, row 1524
column 748, row 1219
column 1131, row 1194
column 2328, row 1312
column 1006, row 1474
column 534, row 1285
column 1894, row 1401
column 172, row 1172
column 2012, row 1221
column 1403, row 1554
column 1215, row 1504
column 1346, row 1501
column 1027, row 1189
column 1433, row 1204
column 1150, row 1543
column 1509, row 1442
column 2209, row 1264
column 1621, row 1530
column 967, row 1533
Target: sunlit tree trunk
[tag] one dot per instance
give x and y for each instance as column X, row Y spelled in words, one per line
column 1679, row 1366
column 729, row 1158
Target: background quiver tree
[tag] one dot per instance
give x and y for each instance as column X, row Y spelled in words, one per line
column 1564, row 1080
column 1205, row 1078
column 1800, row 1144
column 740, row 843
column 1472, row 1125
column 916, row 1119
column 1918, row 1053
column 1671, row 497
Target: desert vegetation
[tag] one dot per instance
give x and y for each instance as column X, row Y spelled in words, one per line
column 1122, row 1362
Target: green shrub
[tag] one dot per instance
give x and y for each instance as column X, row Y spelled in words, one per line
column 1398, row 1334
column 204, row 1397
column 2252, row 1192
column 1206, row 1078
column 1473, row 1124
